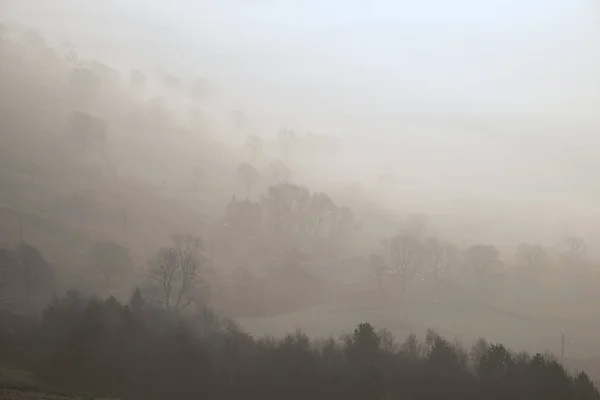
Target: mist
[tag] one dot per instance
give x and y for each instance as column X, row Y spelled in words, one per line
column 417, row 165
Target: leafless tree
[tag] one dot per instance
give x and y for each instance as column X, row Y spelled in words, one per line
column 442, row 257
column 180, row 272
column 530, row 256
column 573, row 250
column 482, row 258
column 405, row 255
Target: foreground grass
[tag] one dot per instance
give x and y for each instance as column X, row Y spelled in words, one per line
column 15, row 394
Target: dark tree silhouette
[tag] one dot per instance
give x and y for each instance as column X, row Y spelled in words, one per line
column 482, row 259
column 405, row 255
column 531, row 256
column 180, row 273
column 573, row 250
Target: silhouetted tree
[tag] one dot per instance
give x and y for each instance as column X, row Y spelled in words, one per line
column 573, row 250
column 86, row 130
column 442, row 257
column 405, row 255
column 171, row 81
column 84, row 80
column 180, row 273
column 137, row 302
column 482, row 259
column 531, row 256
column 32, row 274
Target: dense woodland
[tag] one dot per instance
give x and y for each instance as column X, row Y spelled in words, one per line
column 105, row 348
column 166, row 329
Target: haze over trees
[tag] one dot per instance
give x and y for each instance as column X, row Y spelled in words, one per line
column 223, row 233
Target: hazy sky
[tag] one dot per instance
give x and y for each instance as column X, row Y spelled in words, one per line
column 521, row 54
column 381, row 69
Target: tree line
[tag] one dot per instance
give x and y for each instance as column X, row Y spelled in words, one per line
column 139, row 351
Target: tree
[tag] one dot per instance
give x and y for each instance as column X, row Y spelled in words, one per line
column 84, row 80
column 137, row 302
column 71, row 55
column 7, row 263
column 343, row 220
column 442, row 257
column 110, row 259
column 405, row 256
column 243, row 217
column 365, row 337
column 180, row 272
column 573, row 250
column 171, row 81
column 286, row 137
column 321, row 209
column 247, row 174
column 255, row 144
column 280, row 172
column 531, row 256
column 482, row 259
column 32, row 274
column 105, row 73
column 286, row 206
column 497, row 362
column 87, row 130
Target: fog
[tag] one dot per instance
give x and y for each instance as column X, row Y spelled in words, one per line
column 310, row 137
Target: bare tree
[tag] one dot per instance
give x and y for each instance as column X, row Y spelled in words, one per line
column 531, row 256
column 180, row 271
column 405, row 255
column 442, row 257
column 482, row 258
column 573, row 250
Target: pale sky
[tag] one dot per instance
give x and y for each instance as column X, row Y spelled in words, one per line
column 375, row 66
column 469, row 51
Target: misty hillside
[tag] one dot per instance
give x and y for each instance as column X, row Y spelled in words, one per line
column 141, row 203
